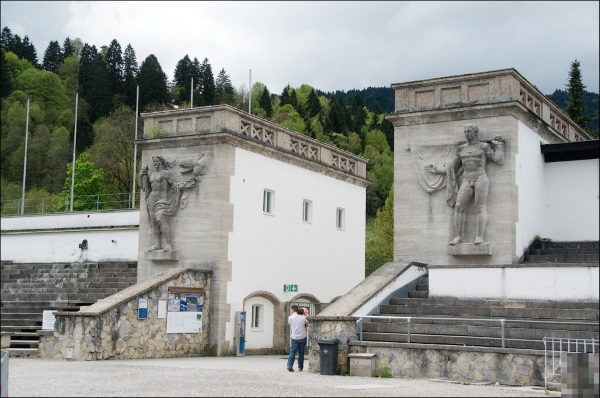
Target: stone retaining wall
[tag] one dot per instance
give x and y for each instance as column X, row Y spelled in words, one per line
column 110, row 329
column 456, row 363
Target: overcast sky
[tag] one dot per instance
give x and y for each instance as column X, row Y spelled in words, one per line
column 339, row 45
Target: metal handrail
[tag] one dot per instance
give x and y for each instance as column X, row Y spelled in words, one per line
column 502, row 322
column 60, row 203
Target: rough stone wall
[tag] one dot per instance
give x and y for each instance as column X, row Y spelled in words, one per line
column 117, row 333
column 461, row 364
column 342, row 328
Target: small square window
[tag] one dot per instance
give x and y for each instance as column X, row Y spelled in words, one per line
column 340, row 218
column 307, row 211
column 256, row 322
column 268, row 201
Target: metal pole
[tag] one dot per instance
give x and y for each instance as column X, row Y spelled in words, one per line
column 74, row 146
column 408, row 331
column 502, row 324
column 250, row 93
column 137, row 96
column 25, row 160
column 192, row 94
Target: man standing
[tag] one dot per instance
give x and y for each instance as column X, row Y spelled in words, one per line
column 297, row 322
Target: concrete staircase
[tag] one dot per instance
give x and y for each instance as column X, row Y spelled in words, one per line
column 29, row 289
column 526, row 322
column 547, row 251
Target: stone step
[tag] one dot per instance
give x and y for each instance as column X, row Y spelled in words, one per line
column 421, row 287
column 65, row 296
column 7, row 314
column 562, row 251
column 455, row 340
column 495, row 303
column 79, row 287
column 45, row 304
column 561, row 258
column 93, row 280
column 491, row 312
column 418, row 294
column 544, row 243
column 491, row 330
column 36, row 321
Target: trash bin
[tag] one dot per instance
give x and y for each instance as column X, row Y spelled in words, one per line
column 329, row 356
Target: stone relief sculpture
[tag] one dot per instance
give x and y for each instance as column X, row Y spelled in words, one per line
column 164, row 195
column 470, row 161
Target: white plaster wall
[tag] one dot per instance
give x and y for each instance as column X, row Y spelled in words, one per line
column 531, row 283
column 269, row 251
column 261, row 337
column 56, row 237
column 529, row 178
column 571, row 200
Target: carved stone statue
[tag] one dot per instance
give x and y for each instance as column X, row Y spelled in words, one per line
column 470, row 160
column 164, row 195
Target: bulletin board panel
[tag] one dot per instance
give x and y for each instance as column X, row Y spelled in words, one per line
column 184, row 322
column 184, row 310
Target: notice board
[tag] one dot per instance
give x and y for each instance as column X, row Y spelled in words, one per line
column 184, row 310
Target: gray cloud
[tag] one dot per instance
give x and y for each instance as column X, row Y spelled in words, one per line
column 334, row 45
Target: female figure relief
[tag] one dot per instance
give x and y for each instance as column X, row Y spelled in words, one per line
column 161, row 201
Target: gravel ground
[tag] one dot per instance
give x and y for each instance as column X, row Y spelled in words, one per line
column 251, row 376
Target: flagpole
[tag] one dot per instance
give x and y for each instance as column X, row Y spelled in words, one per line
column 192, row 94
column 25, row 160
column 74, row 146
column 137, row 97
column 250, row 92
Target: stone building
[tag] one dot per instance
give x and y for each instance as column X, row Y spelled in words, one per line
column 275, row 215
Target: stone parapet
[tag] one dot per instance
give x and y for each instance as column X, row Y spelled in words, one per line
column 478, row 89
column 227, row 119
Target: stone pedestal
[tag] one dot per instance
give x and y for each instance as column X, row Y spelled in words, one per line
column 162, row 255
column 471, row 249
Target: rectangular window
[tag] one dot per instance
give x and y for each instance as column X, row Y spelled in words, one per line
column 268, row 201
column 307, row 211
column 256, row 316
column 340, row 221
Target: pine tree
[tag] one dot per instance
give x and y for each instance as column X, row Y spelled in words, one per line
column 6, row 39
column 114, row 60
column 67, row 49
column 130, row 73
column 53, row 57
column 225, row 93
column 5, row 88
column 182, row 78
column 313, row 105
column 198, row 88
column 28, row 51
column 88, row 54
column 208, row 83
column 153, row 83
column 265, row 102
column 285, row 96
column 98, row 94
column 575, row 104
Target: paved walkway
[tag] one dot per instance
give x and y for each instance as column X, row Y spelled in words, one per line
column 250, row 376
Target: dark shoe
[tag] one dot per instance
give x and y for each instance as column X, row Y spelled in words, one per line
column 291, row 369
column 299, row 369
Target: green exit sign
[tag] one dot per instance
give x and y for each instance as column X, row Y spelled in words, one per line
column 290, row 288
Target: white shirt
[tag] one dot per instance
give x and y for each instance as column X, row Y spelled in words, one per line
column 297, row 326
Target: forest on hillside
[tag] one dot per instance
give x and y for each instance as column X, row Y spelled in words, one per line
column 102, row 83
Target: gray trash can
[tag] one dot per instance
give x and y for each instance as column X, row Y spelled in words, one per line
column 328, row 356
